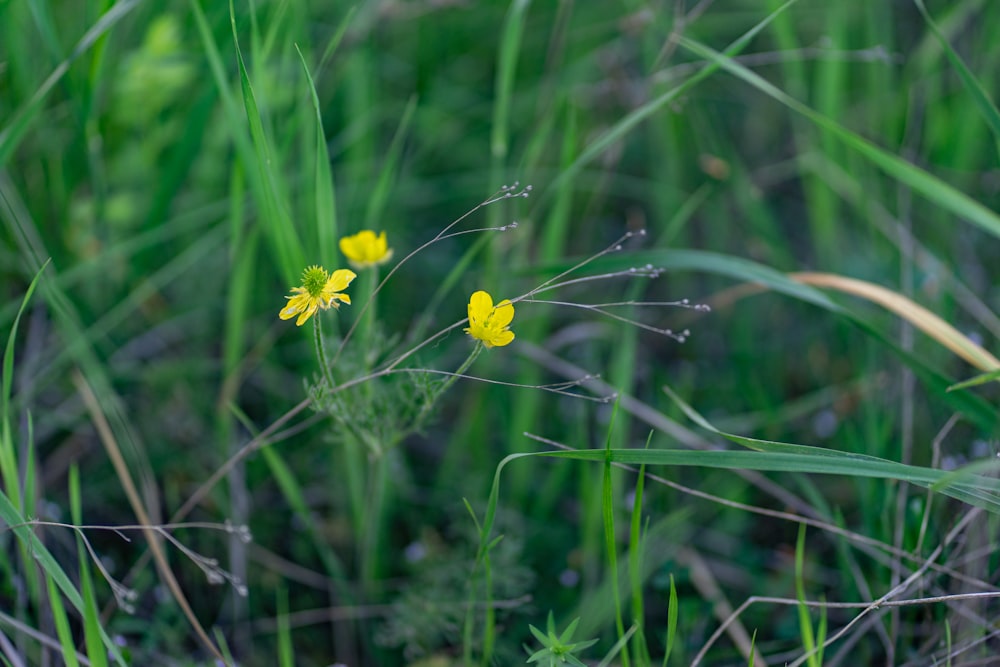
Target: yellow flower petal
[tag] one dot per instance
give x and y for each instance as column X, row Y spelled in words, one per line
column 501, row 338
column 502, row 314
column 480, row 307
column 340, row 279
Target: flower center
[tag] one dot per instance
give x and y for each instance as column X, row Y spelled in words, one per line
column 314, row 279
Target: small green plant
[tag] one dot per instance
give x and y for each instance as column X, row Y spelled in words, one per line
column 558, row 649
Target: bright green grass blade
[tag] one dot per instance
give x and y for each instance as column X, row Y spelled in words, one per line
column 672, row 623
column 12, row 517
column 325, row 193
column 988, row 467
column 286, row 654
column 992, row 376
column 975, row 489
column 91, row 615
column 610, row 541
column 635, row 566
column 669, row 531
column 13, row 132
column 526, row 410
column 619, row 645
column 930, row 187
column 821, row 631
column 62, row 625
column 8, row 457
column 978, row 491
column 805, row 623
column 234, row 117
column 291, row 257
column 972, row 86
column 220, row 641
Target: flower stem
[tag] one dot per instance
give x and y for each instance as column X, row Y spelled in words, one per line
column 321, row 352
column 432, row 401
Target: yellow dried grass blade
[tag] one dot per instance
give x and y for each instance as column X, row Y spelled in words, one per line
column 915, row 314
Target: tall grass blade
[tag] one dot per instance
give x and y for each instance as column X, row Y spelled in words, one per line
column 636, row 546
column 11, row 135
column 8, row 457
column 610, row 540
column 92, row 629
column 61, row 620
column 286, row 652
column 805, row 623
column 672, row 624
column 325, row 192
column 989, row 111
column 928, row 186
column 281, row 231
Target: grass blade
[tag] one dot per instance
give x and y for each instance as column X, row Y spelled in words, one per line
column 22, row 119
column 930, row 187
column 8, row 459
column 972, row 86
column 291, row 257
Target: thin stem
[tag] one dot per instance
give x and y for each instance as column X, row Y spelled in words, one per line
column 506, row 192
column 367, row 328
column 321, row 351
column 461, row 369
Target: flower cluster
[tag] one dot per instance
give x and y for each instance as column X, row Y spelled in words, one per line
column 320, row 290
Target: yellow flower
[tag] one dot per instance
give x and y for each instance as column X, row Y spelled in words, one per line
column 319, row 290
column 364, row 249
column 489, row 323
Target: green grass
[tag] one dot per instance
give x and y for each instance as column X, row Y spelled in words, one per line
column 810, row 477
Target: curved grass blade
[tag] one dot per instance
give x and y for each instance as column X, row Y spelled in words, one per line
column 915, row 314
column 974, row 489
column 976, row 409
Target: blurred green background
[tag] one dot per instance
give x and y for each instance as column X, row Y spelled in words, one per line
column 178, row 204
